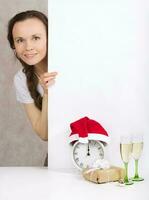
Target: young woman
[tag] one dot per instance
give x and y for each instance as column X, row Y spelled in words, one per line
column 28, row 37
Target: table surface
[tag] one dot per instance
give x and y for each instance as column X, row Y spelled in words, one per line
column 28, row 183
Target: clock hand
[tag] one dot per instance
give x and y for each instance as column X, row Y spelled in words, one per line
column 88, row 149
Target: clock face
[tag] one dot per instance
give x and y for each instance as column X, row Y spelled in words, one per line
column 85, row 154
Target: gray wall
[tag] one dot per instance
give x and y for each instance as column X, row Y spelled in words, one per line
column 19, row 145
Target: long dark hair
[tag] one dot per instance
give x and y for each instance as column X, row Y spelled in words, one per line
column 32, row 80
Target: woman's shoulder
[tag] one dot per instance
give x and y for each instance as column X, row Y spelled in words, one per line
column 22, row 92
column 20, row 80
column 20, row 76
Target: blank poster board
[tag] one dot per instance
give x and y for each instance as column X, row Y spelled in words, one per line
column 98, row 49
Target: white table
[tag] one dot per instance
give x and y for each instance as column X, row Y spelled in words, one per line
column 19, row 183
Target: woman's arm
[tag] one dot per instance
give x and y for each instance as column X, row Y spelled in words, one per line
column 39, row 119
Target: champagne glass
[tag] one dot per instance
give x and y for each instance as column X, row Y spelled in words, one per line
column 137, row 147
column 126, row 150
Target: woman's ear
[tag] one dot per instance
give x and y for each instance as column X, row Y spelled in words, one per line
column 15, row 53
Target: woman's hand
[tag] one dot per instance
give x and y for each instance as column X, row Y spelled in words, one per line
column 47, row 79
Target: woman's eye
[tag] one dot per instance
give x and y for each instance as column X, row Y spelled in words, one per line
column 19, row 40
column 36, row 38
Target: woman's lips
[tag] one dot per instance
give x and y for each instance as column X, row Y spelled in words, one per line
column 29, row 56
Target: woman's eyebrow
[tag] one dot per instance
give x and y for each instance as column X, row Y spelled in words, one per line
column 19, row 37
column 16, row 38
column 39, row 34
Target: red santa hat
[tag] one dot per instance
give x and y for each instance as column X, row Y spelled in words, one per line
column 86, row 129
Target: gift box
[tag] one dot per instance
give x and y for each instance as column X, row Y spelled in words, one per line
column 104, row 175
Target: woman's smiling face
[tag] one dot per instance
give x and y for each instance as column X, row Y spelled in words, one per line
column 30, row 40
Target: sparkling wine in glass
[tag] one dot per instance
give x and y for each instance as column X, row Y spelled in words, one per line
column 125, row 151
column 137, row 147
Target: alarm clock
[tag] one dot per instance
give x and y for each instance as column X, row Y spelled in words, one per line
column 84, row 155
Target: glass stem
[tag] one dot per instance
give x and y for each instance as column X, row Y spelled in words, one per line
column 136, row 169
column 126, row 172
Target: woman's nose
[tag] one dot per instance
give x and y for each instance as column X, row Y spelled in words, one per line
column 29, row 45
